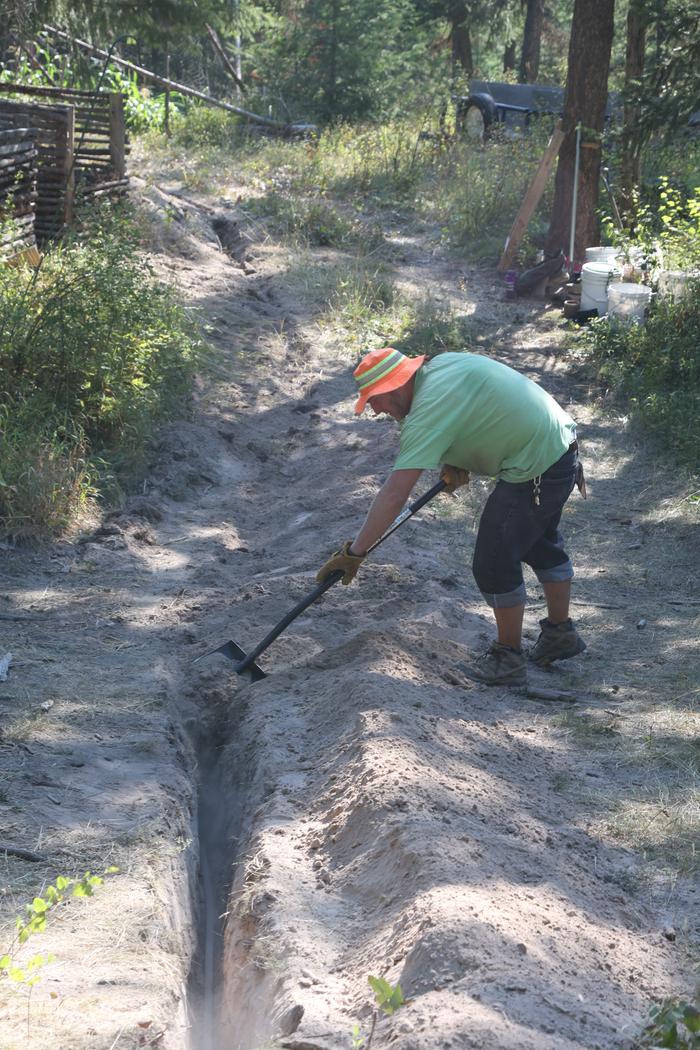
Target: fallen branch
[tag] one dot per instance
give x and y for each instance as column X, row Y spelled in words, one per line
column 225, row 60
column 172, row 85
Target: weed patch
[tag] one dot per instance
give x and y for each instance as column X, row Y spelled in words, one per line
column 314, row 223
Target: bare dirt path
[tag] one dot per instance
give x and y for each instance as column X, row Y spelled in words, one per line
column 523, row 869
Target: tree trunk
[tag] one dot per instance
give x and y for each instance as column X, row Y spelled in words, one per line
column 632, row 136
column 532, row 36
column 332, row 78
column 585, row 101
column 509, row 57
column 461, row 39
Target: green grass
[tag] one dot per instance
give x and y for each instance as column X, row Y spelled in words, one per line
column 467, row 194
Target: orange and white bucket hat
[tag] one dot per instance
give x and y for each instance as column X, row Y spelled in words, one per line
column 380, row 371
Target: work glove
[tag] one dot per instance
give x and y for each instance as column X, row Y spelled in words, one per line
column 341, row 560
column 454, row 477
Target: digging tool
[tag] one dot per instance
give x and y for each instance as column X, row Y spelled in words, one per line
column 246, row 662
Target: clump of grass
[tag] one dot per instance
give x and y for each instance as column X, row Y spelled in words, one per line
column 355, row 298
column 45, row 477
column 314, row 223
column 476, row 192
column 664, row 826
column 431, row 328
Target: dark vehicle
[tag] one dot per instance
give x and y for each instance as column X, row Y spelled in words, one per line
column 491, row 104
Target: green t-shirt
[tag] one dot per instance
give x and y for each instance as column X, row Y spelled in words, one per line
column 475, row 413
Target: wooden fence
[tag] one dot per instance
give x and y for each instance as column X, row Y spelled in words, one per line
column 18, row 192
column 81, row 142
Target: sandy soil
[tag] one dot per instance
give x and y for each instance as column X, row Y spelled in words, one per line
column 514, row 864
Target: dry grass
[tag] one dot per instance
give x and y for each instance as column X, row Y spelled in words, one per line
column 42, row 485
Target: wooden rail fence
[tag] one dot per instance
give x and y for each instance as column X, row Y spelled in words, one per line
column 18, row 192
column 81, row 144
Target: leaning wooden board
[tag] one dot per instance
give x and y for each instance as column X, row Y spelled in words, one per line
column 531, row 199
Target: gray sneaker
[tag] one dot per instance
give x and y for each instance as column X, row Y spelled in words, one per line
column 556, row 642
column 500, row 665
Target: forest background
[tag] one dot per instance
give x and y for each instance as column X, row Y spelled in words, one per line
column 379, row 82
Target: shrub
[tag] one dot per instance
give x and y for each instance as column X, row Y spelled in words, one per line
column 93, row 350
column 656, row 366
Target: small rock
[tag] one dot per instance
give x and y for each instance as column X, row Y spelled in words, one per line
column 669, row 933
column 291, row 1019
column 522, row 948
column 641, row 624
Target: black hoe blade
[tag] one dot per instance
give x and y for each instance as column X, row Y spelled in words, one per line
column 234, row 653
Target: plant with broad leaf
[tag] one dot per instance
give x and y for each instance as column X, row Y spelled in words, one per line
column 674, row 1024
column 388, row 999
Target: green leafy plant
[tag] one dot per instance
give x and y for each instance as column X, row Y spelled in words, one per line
column 388, row 997
column 36, row 916
column 358, row 1040
column 674, row 1024
column 655, row 369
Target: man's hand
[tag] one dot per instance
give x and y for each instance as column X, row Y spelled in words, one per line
column 342, row 560
column 454, row 477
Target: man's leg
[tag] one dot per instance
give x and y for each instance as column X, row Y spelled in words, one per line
column 510, row 625
column 558, row 595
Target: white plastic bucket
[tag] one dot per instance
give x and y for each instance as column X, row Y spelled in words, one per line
column 627, row 302
column 601, row 254
column 595, row 279
column 674, row 283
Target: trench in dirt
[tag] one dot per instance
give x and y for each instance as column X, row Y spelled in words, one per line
column 215, row 849
column 408, row 827
column 219, row 822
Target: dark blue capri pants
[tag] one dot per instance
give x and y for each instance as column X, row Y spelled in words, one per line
column 515, row 529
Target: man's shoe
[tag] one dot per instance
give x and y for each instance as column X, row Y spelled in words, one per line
column 556, row 642
column 500, row 665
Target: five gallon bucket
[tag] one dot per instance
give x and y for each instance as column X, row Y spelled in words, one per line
column 595, row 279
column 627, row 302
column 601, row 254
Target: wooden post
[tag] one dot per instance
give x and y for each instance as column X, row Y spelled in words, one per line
column 531, row 199
column 117, row 134
column 167, row 96
column 69, row 167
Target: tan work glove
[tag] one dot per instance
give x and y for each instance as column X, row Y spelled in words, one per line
column 454, row 477
column 341, row 560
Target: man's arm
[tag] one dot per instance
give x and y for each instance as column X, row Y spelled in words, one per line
column 386, row 506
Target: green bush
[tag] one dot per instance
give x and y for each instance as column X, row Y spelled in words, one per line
column 656, row 367
column 93, row 351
